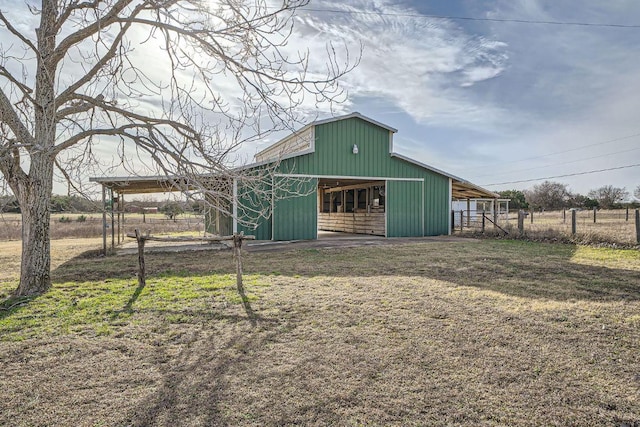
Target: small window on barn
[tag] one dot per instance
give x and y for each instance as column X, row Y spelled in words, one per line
column 378, row 199
column 349, row 202
column 337, row 202
column 326, row 201
column 361, row 199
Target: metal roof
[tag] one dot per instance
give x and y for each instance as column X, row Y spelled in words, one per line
column 141, row 184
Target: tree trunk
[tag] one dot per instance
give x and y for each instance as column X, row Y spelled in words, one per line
column 35, row 272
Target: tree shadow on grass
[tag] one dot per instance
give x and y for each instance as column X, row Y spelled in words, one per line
column 199, row 387
column 12, row 304
column 522, row 269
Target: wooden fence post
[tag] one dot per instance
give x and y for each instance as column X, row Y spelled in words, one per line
column 237, row 251
column 573, row 222
column 453, row 220
column 461, row 220
column 564, row 216
column 521, row 221
column 142, row 281
column 638, row 226
column 531, row 213
column 483, row 222
column 626, row 218
column 594, row 214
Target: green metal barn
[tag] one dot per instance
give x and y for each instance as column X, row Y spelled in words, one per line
column 347, row 178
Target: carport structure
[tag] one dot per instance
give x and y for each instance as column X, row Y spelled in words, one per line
column 115, row 188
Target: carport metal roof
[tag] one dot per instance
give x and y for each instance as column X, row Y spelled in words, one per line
column 141, row 184
column 460, row 189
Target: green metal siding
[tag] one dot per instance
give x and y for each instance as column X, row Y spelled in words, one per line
column 296, row 217
column 333, row 156
column 404, row 208
column 436, row 205
column 252, row 210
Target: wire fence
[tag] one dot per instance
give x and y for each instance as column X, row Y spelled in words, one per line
column 620, row 226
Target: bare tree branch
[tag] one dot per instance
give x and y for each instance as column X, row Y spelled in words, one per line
column 17, row 33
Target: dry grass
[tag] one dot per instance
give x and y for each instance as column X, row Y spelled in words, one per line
column 437, row 333
column 70, row 227
column 611, row 227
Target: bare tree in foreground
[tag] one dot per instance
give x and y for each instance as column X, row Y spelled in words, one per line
column 166, row 85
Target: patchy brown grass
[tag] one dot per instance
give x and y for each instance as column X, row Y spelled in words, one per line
column 436, row 333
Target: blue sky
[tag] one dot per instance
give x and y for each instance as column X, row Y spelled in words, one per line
column 492, row 101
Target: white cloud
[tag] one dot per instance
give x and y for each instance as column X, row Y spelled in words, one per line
column 422, row 65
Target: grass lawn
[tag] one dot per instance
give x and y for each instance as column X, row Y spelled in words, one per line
column 464, row 333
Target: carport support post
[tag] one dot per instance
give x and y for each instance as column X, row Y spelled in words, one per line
column 573, row 222
column 118, row 213
column 113, row 224
column 104, row 220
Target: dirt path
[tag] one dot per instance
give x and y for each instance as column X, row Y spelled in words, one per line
column 333, row 241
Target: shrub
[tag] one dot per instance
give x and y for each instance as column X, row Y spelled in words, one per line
column 81, row 218
column 65, row 219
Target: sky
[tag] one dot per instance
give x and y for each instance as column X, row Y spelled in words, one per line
column 503, row 104
column 503, row 93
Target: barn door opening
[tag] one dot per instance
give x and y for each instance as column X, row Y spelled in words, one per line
column 352, row 206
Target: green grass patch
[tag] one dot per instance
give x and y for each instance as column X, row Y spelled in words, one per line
column 101, row 308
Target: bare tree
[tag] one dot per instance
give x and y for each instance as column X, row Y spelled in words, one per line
column 608, row 195
column 548, row 195
column 164, row 86
column 636, row 192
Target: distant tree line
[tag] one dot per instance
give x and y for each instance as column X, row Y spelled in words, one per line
column 71, row 204
column 9, row 204
column 551, row 195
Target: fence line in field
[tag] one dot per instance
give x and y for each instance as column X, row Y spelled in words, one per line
column 615, row 226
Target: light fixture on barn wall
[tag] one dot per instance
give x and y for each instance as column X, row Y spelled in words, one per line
column 355, row 149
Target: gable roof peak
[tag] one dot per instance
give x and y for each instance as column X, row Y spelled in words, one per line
column 357, row 115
